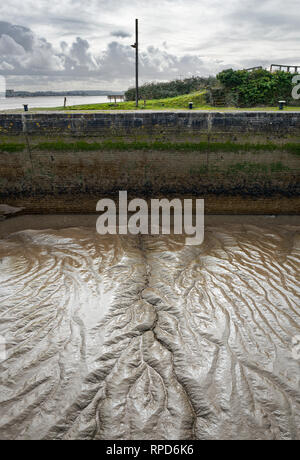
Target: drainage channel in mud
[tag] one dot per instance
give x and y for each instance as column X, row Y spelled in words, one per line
column 111, row 337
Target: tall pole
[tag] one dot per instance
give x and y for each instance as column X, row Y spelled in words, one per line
column 137, row 62
column 136, row 46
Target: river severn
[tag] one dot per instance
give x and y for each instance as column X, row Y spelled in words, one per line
column 14, row 103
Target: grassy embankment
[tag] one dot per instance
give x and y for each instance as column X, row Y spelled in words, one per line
column 173, row 103
column 179, row 102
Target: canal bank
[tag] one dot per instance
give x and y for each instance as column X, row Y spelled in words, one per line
column 241, row 162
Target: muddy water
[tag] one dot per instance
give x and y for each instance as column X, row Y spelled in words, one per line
column 146, row 338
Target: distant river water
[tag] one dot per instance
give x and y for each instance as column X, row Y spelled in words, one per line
column 50, row 101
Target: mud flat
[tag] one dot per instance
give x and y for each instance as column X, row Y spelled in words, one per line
column 146, row 338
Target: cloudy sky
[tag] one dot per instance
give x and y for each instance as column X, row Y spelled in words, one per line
column 76, row 44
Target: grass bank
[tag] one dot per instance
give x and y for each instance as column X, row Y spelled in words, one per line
column 172, row 103
column 82, row 146
column 179, row 102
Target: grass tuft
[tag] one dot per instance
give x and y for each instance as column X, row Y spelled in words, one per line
column 12, row 147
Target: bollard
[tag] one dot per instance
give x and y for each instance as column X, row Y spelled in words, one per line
column 281, row 104
column 25, row 107
column 190, row 105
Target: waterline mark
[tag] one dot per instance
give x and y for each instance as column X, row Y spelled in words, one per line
column 177, row 216
column 296, row 347
column 2, row 349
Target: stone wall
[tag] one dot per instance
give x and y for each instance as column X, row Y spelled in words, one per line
column 148, row 172
column 33, row 174
column 172, row 125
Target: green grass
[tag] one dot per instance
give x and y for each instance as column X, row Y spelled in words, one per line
column 11, row 147
column 179, row 102
column 81, row 146
column 128, row 106
column 173, row 103
column 293, row 148
column 279, row 167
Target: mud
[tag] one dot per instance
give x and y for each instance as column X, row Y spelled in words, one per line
column 146, row 338
column 214, row 205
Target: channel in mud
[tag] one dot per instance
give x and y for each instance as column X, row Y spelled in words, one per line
column 111, row 337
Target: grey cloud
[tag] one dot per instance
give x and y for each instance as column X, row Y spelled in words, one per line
column 89, row 44
column 64, row 46
column 265, row 19
column 79, row 52
column 9, row 47
column 155, row 64
column 120, row 34
column 115, row 63
column 21, row 35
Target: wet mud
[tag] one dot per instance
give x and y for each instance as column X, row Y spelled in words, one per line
column 111, row 337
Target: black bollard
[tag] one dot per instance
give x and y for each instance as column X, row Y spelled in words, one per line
column 25, row 107
column 281, row 104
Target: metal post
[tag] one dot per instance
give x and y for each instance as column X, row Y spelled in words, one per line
column 136, row 46
column 137, row 62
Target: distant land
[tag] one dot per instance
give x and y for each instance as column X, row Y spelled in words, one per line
column 13, row 93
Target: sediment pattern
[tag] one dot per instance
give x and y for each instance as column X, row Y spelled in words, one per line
column 146, row 338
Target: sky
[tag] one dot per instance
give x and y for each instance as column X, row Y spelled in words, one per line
column 76, row 44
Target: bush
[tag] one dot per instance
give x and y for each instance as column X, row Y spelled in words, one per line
column 258, row 87
column 163, row 90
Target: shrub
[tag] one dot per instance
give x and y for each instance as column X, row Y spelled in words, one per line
column 162, row 90
column 259, row 87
